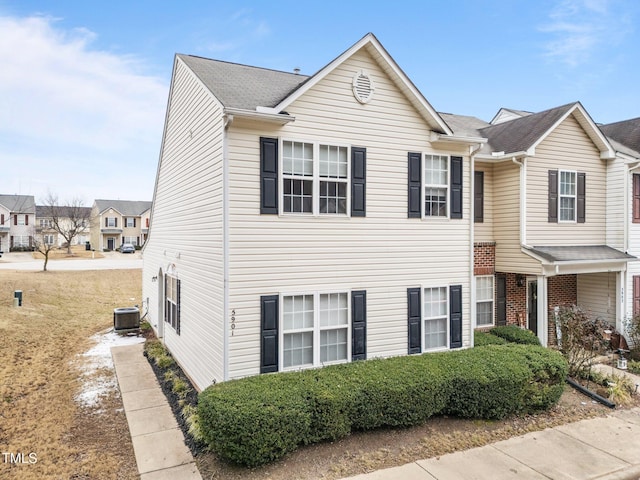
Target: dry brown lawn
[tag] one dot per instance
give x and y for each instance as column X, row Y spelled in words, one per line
column 77, row 251
column 39, row 376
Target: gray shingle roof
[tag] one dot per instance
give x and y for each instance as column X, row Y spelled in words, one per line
column 62, row 211
column 580, row 253
column 243, row 86
column 463, row 125
column 520, row 134
column 626, row 132
column 125, row 207
column 18, row 203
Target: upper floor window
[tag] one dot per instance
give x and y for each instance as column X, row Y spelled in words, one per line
column 111, row 222
column 567, row 195
column 130, row 222
column 45, row 223
column 315, row 178
column 436, row 185
column 21, row 220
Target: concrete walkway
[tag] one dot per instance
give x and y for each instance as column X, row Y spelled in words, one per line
column 158, row 442
column 606, row 448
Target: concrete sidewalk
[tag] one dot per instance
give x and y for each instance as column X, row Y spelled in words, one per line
column 158, row 442
column 602, row 448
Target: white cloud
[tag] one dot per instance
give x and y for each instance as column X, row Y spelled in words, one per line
column 579, row 28
column 65, row 105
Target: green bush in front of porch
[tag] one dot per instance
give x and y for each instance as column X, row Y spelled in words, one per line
column 256, row 420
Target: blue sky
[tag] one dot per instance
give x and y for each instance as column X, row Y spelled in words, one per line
column 84, row 85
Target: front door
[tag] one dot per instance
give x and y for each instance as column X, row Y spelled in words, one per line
column 532, row 306
column 111, row 243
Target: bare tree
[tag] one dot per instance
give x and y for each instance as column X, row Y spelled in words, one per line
column 44, row 243
column 69, row 220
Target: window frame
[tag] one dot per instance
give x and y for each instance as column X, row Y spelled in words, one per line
column 21, row 220
column 315, row 178
column 446, row 186
column 111, row 222
column 129, row 219
column 492, row 300
column 171, row 301
column 316, row 329
column 574, row 174
column 424, row 318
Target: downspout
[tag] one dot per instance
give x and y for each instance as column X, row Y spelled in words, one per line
column 472, row 285
column 228, row 120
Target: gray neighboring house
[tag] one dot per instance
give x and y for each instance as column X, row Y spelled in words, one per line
column 17, row 219
column 114, row 222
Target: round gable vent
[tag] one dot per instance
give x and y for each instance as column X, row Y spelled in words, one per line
column 362, row 87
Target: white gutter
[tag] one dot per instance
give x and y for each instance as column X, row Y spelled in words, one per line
column 439, row 137
column 472, row 285
column 280, row 118
column 227, row 119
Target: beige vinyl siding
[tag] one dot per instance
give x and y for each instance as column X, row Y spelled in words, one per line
column 616, row 202
column 483, row 232
column 186, row 228
column 384, row 253
column 506, row 223
column 597, row 295
column 567, row 148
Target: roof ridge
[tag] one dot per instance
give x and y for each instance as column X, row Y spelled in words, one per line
column 243, row 65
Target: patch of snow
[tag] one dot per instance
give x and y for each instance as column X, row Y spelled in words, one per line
column 97, row 372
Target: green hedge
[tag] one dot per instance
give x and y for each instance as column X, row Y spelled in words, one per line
column 481, row 339
column 515, row 334
column 259, row 419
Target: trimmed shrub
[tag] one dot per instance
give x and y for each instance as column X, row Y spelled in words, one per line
column 515, row 334
column 481, row 339
column 258, row 419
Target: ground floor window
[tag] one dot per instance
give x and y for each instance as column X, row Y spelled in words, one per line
column 172, row 302
column 48, row 239
column 435, row 317
column 315, row 329
column 484, row 300
column 131, row 240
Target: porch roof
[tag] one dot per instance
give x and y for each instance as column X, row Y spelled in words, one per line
column 593, row 257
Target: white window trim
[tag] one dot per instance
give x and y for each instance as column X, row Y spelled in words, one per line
column 172, row 322
column 493, row 304
column 423, row 319
column 315, row 209
column 21, row 220
column 316, row 330
column 433, row 185
column 126, row 222
column 574, row 196
column 109, row 222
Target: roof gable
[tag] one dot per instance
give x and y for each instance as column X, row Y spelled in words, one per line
column 129, row 208
column 522, row 135
column 388, row 65
column 18, row 203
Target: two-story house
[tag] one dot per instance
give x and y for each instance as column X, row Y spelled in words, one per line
column 115, row 222
column 543, row 223
column 17, row 219
column 69, row 218
column 624, row 193
column 301, row 221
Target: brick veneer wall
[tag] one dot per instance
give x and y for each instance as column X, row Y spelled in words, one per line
column 516, row 301
column 562, row 290
column 484, row 258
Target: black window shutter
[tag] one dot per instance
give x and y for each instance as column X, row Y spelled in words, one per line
column 456, row 187
column 581, row 210
column 358, row 181
column 478, row 197
column 415, row 330
column 359, row 325
column 269, row 334
column 268, row 175
column 177, row 299
column 455, row 316
column 553, row 196
column 636, row 198
column 415, row 185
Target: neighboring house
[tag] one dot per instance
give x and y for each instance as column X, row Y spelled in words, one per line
column 44, row 224
column 17, row 221
column 541, row 231
column 115, row 222
column 624, row 136
column 302, row 221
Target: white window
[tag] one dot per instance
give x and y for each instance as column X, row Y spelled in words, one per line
column 45, row 223
column 21, row 219
column 21, row 240
column 567, row 194
column 111, row 222
column 315, row 178
column 48, row 239
column 435, row 314
column 484, row 300
column 315, row 329
column 131, row 240
column 436, row 185
column 130, row 222
column 172, row 301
